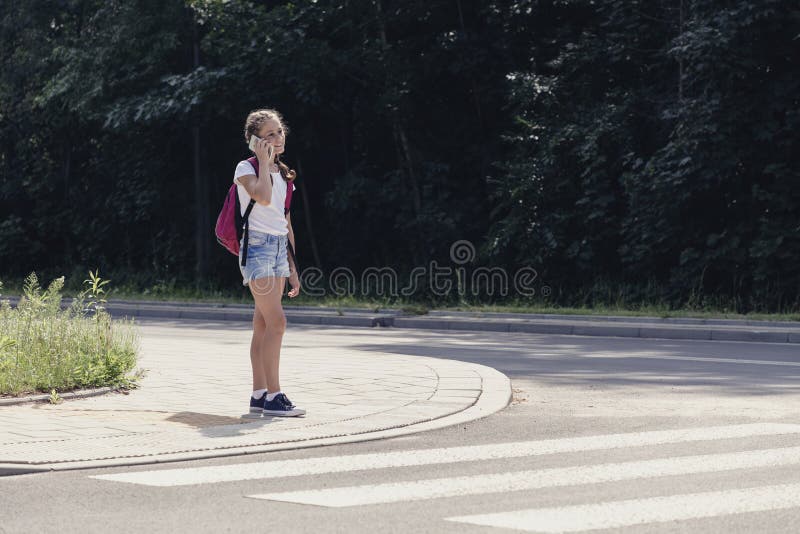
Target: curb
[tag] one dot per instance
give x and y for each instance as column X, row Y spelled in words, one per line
column 10, row 470
column 618, row 318
column 557, row 324
column 66, row 396
column 611, row 329
column 648, row 328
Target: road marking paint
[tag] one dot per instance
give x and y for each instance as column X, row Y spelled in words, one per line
column 537, row 479
column 690, row 359
column 407, row 458
column 616, row 514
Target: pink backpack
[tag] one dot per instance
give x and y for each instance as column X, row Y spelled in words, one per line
column 232, row 225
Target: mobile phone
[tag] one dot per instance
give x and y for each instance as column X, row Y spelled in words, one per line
column 254, row 140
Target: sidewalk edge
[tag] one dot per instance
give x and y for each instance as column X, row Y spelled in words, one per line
column 496, row 393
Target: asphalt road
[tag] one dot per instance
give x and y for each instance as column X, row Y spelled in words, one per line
column 603, row 434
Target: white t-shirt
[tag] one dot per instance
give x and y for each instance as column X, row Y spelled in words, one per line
column 269, row 219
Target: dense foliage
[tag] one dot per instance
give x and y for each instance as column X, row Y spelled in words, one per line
column 619, row 147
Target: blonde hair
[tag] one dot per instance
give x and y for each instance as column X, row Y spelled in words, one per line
column 255, row 120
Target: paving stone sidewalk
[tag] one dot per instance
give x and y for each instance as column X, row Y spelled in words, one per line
column 192, row 402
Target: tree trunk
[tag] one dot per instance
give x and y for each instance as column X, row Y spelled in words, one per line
column 417, row 195
column 404, row 151
column 681, row 16
column 67, row 178
column 400, row 133
column 307, row 212
column 202, row 220
column 473, row 83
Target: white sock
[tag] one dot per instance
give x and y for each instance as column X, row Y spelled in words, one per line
column 257, row 393
column 271, row 396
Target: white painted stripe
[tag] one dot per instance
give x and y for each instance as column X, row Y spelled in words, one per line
column 529, row 480
column 361, row 462
column 690, row 359
column 618, row 514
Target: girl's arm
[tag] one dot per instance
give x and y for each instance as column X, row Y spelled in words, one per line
column 258, row 187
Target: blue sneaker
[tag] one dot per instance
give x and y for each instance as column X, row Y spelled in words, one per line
column 257, row 405
column 281, row 406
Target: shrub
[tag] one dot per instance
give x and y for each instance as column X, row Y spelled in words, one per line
column 46, row 347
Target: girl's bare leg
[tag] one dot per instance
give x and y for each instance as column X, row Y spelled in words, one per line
column 259, row 372
column 267, row 293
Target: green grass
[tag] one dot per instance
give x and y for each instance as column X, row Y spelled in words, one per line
column 44, row 349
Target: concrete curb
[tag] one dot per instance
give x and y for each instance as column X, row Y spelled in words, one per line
column 559, row 324
column 10, row 470
column 10, row 401
column 633, row 330
column 613, row 326
column 604, row 326
column 617, row 318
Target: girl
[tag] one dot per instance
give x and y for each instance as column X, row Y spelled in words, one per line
column 267, row 265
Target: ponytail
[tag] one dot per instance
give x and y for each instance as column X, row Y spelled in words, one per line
column 288, row 174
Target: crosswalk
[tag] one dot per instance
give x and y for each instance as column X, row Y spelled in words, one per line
column 632, row 512
column 568, row 518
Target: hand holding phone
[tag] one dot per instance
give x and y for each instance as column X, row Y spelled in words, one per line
column 253, row 141
column 262, row 150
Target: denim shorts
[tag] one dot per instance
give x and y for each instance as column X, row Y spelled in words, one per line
column 266, row 256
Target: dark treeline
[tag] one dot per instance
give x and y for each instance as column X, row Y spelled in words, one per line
column 638, row 150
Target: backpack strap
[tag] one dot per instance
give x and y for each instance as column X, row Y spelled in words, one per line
column 286, row 207
column 246, row 236
column 246, row 217
column 288, row 204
